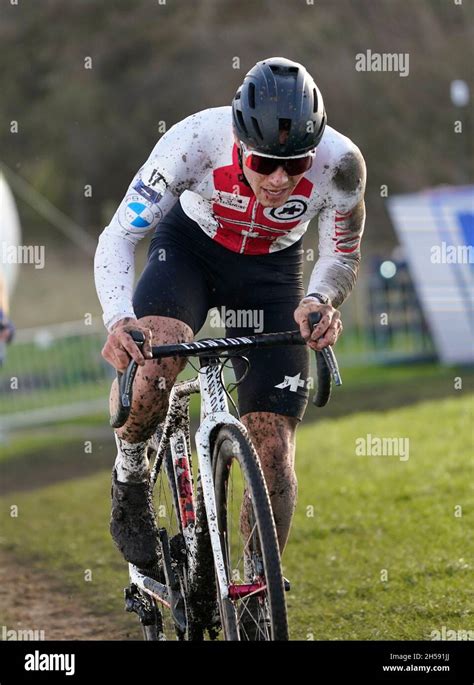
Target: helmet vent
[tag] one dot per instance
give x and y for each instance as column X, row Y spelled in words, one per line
column 257, row 128
column 252, row 95
column 284, row 124
column 240, row 117
column 277, row 69
column 315, row 101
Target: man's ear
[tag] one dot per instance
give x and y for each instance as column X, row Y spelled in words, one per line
column 236, row 141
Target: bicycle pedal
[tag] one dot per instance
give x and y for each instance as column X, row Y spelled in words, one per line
column 286, row 584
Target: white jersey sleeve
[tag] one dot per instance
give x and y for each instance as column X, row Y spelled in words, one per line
column 341, row 225
column 177, row 163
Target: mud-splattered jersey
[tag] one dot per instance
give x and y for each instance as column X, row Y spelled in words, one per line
column 197, row 162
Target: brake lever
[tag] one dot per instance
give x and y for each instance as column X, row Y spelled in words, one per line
column 125, row 385
column 327, row 352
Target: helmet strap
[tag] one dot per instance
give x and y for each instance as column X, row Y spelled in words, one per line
column 242, row 178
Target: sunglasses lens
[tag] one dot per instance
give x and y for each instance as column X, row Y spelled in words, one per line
column 294, row 167
column 267, row 165
column 262, row 165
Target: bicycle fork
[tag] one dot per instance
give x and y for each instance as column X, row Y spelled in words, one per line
column 215, row 413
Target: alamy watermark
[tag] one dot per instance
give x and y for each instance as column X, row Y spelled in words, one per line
column 23, row 254
column 452, row 254
column 27, row 634
column 237, row 318
column 39, row 661
column 385, row 61
column 447, row 634
column 373, row 446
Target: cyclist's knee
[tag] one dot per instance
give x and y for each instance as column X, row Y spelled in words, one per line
column 272, row 432
column 166, row 330
column 154, row 380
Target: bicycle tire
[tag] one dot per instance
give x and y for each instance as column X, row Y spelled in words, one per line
column 230, row 443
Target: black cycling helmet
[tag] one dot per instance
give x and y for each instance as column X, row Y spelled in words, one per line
column 278, row 94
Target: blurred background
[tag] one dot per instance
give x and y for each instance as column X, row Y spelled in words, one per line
column 88, row 87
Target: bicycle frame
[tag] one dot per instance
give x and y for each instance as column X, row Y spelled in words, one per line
column 175, row 433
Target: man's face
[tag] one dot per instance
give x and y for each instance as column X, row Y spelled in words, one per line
column 272, row 190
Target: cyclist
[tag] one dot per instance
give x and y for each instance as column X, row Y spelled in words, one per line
column 229, row 192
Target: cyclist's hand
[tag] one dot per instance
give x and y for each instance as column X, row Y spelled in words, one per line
column 119, row 348
column 328, row 329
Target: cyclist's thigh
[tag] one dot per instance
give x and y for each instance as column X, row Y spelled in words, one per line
column 278, row 376
column 165, row 330
column 172, row 285
column 172, row 298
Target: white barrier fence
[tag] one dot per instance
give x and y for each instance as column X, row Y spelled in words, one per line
column 53, row 373
column 56, row 372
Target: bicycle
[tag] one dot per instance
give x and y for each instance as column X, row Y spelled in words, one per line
column 215, row 571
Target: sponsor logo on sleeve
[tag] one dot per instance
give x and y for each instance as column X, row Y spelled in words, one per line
column 157, row 180
column 136, row 214
column 153, row 196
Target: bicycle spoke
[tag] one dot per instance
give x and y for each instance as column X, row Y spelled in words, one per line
column 246, row 545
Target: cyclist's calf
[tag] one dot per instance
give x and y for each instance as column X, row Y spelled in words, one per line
column 273, row 436
column 154, row 381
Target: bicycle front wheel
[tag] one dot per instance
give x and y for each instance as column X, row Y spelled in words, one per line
column 255, row 608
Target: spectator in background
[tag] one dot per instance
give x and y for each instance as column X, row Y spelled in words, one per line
column 7, row 329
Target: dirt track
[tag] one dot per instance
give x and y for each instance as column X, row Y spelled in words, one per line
column 31, row 601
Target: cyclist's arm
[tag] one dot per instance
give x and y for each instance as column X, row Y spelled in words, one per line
column 341, row 225
column 177, row 163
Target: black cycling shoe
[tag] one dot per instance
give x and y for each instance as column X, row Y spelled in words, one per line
column 133, row 523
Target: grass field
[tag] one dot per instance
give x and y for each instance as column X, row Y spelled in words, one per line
column 393, row 384
column 378, row 549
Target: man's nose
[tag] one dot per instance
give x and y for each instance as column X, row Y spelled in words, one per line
column 279, row 177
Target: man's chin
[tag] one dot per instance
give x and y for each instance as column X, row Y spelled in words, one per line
column 266, row 201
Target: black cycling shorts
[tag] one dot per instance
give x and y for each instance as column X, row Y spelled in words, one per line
column 188, row 274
